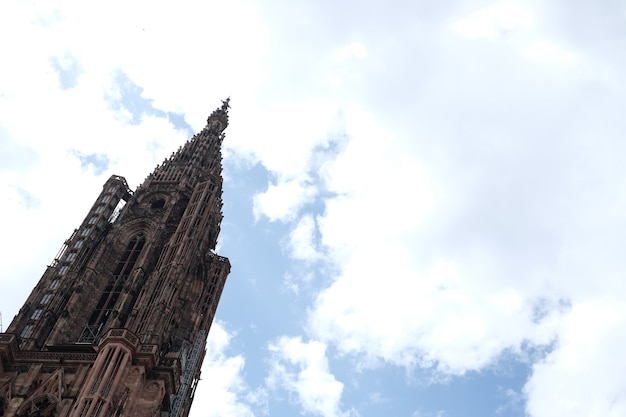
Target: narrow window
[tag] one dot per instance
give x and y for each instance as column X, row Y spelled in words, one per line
column 83, row 412
column 99, row 209
column 63, row 269
column 85, row 232
column 96, row 409
column 54, row 284
column 93, row 219
column 46, row 298
column 106, row 199
column 37, row 314
column 71, row 256
column 122, row 271
column 27, row 331
column 79, row 243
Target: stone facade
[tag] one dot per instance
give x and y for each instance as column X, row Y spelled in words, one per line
column 117, row 325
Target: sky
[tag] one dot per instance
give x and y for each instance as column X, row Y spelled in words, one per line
column 425, row 202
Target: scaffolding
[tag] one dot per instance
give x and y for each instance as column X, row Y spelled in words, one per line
column 90, row 334
column 189, row 371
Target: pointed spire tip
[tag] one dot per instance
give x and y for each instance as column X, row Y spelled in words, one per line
column 226, row 104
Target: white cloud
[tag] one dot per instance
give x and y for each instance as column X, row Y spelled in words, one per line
column 302, row 240
column 496, row 20
column 352, row 51
column 301, row 368
column 283, row 135
column 283, row 200
column 544, row 51
column 223, row 377
column 381, row 307
column 586, row 374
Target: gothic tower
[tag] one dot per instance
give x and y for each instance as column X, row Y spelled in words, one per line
column 117, row 324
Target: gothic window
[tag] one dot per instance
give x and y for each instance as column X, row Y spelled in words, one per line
column 71, row 256
column 42, row 406
column 99, row 209
column 27, row 331
column 96, row 409
column 63, row 269
column 130, row 255
column 85, row 409
column 85, row 232
column 54, row 284
column 79, row 243
column 122, row 271
column 158, row 203
column 106, row 198
column 37, row 314
column 46, row 298
column 93, row 219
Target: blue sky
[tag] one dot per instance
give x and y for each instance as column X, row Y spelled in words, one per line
column 424, row 201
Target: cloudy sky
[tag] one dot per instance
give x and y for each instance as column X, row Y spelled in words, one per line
column 425, row 203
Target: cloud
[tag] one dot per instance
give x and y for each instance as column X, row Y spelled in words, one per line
column 302, row 240
column 223, row 377
column 589, row 349
column 480, row 242
column 283, row 200
column 496, row 20
column 301, row 368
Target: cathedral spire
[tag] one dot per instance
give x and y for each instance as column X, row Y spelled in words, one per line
column 118, row 322
column 199, row 157
column 222, row 111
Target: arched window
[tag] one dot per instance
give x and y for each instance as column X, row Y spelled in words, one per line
column 122, row 271
column 41, row 406
column 159, row 203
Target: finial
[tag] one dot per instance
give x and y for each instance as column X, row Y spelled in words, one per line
column 220, row 115
column 225, row 104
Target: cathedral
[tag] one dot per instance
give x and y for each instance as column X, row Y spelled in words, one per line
column 117, row 325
